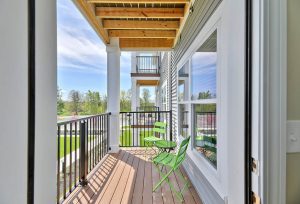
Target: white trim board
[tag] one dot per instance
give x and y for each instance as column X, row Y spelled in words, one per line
column 204, row 189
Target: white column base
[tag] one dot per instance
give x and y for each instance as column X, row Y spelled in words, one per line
column 114, row 149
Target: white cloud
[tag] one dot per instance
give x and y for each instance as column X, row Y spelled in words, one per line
column 78, row 46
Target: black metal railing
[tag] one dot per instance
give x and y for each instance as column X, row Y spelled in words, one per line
column 206, row 135
column 147, row 108
column 81, row 144
column 147, row 64
column 135, row 126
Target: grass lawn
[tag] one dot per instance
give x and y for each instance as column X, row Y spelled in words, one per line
column 127, row 140
column 62, row 142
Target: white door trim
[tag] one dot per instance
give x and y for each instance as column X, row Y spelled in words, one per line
column 274, row 66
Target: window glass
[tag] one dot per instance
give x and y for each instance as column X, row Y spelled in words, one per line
column 203, row 70
column 204, row 86
column 205, row 131
column 183, row 83
column 183, row 120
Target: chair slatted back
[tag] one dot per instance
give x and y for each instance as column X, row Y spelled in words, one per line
column 159, row 128
column 181, row 152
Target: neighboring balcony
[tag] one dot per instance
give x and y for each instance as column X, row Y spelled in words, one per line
column 148, row 66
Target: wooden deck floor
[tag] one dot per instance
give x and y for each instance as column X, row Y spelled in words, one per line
column 128, row 178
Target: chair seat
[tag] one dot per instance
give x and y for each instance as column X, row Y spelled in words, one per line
column 152, row 139
column 165, row 158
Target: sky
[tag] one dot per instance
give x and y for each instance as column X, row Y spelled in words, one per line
column 204, row 66
column 82, row 54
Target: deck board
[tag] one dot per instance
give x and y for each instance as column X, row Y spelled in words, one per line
column 127, row 177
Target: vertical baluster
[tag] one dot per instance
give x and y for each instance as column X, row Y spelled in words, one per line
column 122, row 130
column 58, row 164
column 65, row 160
column 97, row 140
column 88, row 144
column 75, row 162
column 102, row 138
column 70, row 176
column 93, row 119
column 133, row 131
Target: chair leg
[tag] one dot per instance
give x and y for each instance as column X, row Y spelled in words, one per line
column 165, row 177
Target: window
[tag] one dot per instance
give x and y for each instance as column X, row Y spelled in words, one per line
column 183, row 98
column 204, row 98
column 183, row 120
column 183, row 83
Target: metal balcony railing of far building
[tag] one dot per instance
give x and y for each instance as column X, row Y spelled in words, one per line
column 148, row 64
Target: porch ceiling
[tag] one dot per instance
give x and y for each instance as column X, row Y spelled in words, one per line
column 140, row 24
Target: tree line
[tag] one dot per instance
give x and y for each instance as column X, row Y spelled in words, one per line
column 92, row 102
column 89, row 103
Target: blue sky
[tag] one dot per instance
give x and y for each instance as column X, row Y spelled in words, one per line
column 204, row 72
column 82, row 54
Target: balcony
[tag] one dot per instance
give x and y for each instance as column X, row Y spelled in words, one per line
column 88, row 173
column 127, row 177
column 148, row 66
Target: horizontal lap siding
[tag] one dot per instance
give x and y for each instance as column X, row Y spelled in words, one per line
column 174, row 95
column 202, row 10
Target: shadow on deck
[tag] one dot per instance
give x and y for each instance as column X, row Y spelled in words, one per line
column 127, row 177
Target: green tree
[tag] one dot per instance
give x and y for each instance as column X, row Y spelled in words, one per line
column 92, row 102
column 75, row 102
column 145, row 99
column 59, row 102
column 125, row 100
column 205, row 95
column 104, row 103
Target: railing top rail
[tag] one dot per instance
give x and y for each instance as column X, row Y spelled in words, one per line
column 80, row 119
column 147, row 56
column 146, row 112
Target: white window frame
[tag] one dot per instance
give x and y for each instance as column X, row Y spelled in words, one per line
column 213, row 175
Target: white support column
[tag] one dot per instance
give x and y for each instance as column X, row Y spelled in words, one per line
column 113, row 92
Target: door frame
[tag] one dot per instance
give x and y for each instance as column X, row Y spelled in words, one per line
column 272, row 69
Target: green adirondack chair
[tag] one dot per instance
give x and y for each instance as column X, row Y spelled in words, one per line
column 159, row 132
column 173, row 161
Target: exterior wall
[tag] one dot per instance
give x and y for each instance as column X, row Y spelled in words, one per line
column 165, row 78
column 13, row 103
column 293, row 94
column 226, row 185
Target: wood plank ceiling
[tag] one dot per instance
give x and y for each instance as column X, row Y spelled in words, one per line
column 140, row 24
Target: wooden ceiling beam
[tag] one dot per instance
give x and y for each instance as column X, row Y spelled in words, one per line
column 141, row 1
column 142, row 33
column 120, row 12
column 88, row 11
column 128, row 43
column 140, row 24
